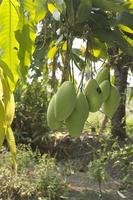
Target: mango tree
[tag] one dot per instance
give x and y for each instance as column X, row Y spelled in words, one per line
column 100, row 24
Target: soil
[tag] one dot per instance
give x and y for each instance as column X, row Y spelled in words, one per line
column 79, row 152
column 79, row 188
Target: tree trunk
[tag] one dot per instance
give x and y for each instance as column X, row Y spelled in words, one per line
column 119, row 119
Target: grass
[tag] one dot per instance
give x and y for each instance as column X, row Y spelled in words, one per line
column 38, row 177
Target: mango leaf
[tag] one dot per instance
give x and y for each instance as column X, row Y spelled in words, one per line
column 125, row 28
column 78, row 61
column 126, row 19
column 40, row 10
column 7, row 100
column 98, row 20
column 6, row 70
column 10, row 109
column 131, row 4
column 24, row 37
column 129, row 40
column 5, row 86
column 97, row 49
column 7, row 104
column 12, row 145
column 112, row 37
column 2, row 135
column 60, row 5
column 131, row 95
column 1, row 90
column 2, row 123
column 26, row 33
column 52, row 51
column 8, row 43
column 83, row 11
column 2, row 114
column 11, row 140
column 33, row 11
column 64, row 46
column 70, row 11
column 51, row 7
column 113, row 6
column 27, row 10
column 54, row 11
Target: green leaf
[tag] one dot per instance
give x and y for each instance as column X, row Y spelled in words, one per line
column 98, row 20
column 2, row 135
column 83, row 11
column 2, row 123
column 126, row 19
column 78, row 61
column 129, row 40
column 10, row 108
column 52, row 52
column 11, row 141
column 2, row 114
column 26, row 32
column 125, row 28
column 51, row 7
column 32, row 11
column 108, row 5
column 5, row 85
column 60, row 4
column 131, row 95
column 70, row 12
column 113, row 37
column 131, row 4
column 25, row 36
column 12, row 145
column 97, row 49
column 40, row 10
column 1, row 90
column 8, row 43
column 27, row 10
column 7, row 71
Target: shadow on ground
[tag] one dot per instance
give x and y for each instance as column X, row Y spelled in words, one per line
column 93, row 195
column 80, row 189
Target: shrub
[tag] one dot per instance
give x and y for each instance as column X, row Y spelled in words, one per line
column 114, row 160
column 38, row 177
column 30, row 123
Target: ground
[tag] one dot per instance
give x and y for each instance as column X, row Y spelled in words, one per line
column 81, row 189
column 76, row 155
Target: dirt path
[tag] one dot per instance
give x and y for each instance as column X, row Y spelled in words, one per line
column 80, row 189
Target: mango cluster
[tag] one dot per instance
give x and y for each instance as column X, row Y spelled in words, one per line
column 73, row 109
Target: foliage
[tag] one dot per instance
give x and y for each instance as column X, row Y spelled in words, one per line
column 129, row 126
column 122, row 159
column 112, row 157
column 101, row 25
column 18, row 20
column 30, row 119
column 37, row 178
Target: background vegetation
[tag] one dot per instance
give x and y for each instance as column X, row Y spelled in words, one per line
column 37, row 54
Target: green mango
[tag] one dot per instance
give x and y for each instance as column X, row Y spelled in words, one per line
column 52, row 121
column 103, row 74
column 75, row 122
column 94, row 95
column 65, row 101
column 105, row 87
column 111, row 104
